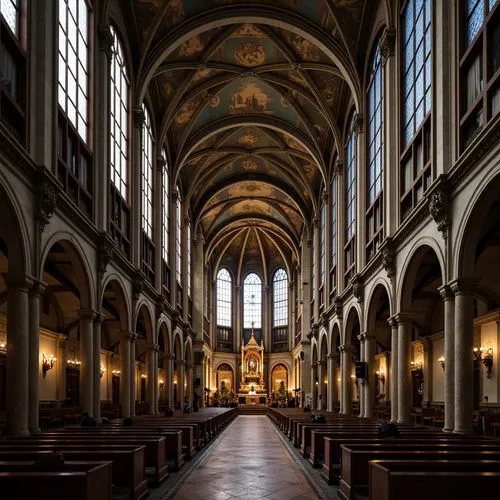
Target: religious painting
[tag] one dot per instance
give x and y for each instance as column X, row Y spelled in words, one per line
column 279, row 377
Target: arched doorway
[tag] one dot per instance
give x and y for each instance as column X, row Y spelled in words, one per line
column 351, row 353
column 143, row 365
column 225, row 384
column 164, row 369
column 279, row 384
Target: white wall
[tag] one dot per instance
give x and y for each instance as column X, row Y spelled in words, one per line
column 48, row 385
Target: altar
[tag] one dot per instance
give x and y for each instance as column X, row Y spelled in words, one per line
column 252, row 387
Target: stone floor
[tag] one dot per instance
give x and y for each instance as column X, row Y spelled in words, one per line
column 250, row 461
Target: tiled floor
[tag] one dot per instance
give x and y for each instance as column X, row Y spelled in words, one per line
column 249, row 462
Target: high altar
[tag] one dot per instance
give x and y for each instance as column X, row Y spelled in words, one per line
column 252, row 371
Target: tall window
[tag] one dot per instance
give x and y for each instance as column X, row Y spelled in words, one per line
column 280, row 298
column 147, row 175
column 178, row 236
column 416, row 173
column 189, row 258
column 224, row 298
column 73, row 63
column 252, row 301
column 350, row 190
column 333, row 225
column 374, row 214
column 119, row 106
column 10, row 12
column 74, row 168
column 322, row 243
column 479, row 67
column 313, row 275
column 12, row 70
column 166, row 207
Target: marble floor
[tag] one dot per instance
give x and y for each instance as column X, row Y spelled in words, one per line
column 249, row 462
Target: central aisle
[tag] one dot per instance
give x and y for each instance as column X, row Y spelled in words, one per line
column 249, row 462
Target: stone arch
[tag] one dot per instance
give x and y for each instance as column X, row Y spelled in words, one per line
column 163, row 336
column 352, row 324
column 279, row 366
column 116, row 284
column 143, row 309
column 377, row 285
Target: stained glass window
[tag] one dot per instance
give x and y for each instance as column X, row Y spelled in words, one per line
column 280, row 298
column 252, row 301
column 73, row 64
column 119, row 107
column 224, row 298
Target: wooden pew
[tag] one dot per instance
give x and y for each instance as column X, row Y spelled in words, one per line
column 76, row 480
column 128, row 461
column 355, row 458
column 155, row 454
column 434, row 480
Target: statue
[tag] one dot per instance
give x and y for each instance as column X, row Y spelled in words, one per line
column 252, row 371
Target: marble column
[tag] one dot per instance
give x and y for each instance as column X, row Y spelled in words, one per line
column 157, row 382
column 427, row 371
column 181, row 370
column 133, row 374
column 17, row 355
column 36, row 289
column 97, row 367
column 404, row 368
column 150, row 382
column 449, row 356
column 346, row 381
column 170, row 381
column 87, row 361
column 464, row 370
column 361, row 383
column 393, row 375
column 330, row 369
column 321, row 385
column 371, row 381
column 125, row 375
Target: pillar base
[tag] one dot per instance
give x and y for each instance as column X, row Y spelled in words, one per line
column 404, row 421
column 35, row 430
column 463, row 431
column 447, row 430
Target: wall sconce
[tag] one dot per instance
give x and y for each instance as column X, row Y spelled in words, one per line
column 326, row 381
column 175, row 382
column 102, row 371
column 338, row 379
column 380, row 374
column 73, row 363
column 485, row 355
column 115, row 373
column 143, row 376
column 161, row 383
column 416, row 366
column 3, row 346
column 47, row 363
column 441, row 361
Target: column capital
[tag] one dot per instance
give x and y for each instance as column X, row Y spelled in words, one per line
column 37, row 287
column 464, row 285
column 446, row 292
column 160, row 163
column 404, row 317
column 99, row 317
column 320, row 362
column 368, row 336
column 89, row 314
column 130, row 336
column 106, row 41
column 361, row 337
column 358, row 123
column 387, row 44
column 153, row 347
column 392, row 322
column 139, row 117
column 330, row 355
column 19, row 282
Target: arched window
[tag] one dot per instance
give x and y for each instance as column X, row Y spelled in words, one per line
column 333, row 225
column 416, row 77
column 74, row 165
column 374, row 214
column 280, row 298
column 119, row 107
column 178, row 236
column 147, row 175
column 350, row 199
column 322, row 243
column 10, row 12
column 224, row 298
column 73, row 63
column 252, row 301
column 188, row 263
column 480, row 81
column 166, row 207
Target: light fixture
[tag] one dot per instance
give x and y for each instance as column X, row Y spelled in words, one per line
column 102, row 371
column 143, row 375
column 73, row 363
column 161, row 383
column 326, row 381
column 48, row 361
column 485, row 355
column 416, row 366
column 175, row 382
column 3, row 346
column 338, row 379
column 380, row 374
column 115, row 372
column 441, row 361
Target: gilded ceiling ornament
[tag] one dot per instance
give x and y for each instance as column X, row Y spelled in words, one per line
column 249, row 54
column 191, row 47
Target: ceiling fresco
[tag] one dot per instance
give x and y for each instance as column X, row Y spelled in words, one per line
column 251, row 112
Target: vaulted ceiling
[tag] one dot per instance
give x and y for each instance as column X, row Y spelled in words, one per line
column 251, row 100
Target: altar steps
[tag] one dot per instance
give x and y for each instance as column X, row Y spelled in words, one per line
column 253, row 410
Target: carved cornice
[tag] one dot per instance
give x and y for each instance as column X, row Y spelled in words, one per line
column 105, row 40
column 105, row 252
column 338, row 307
column 47, row 196
column 387, row 44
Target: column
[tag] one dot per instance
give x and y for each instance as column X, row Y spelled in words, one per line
column 314, row 387
column 97, row 367
column 36, row 289
column 449, row 356
column 321, row 385
column 17, row 355
column 170, row 381
column 136, row 182
column 369, row 389
column 157, row 382
column 330, row 369
column 87, row 359
column 404, row 368
column 172, row 250
column 150, row 382
column 427, row 371
column 464, row 336
column 346, row 381
column 181, row 370
column 158, row 221
column 125, row 375
column 393, row 375
column 361, row 382
column 133, row 374
column 237, row 330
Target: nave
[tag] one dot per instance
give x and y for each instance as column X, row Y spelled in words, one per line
column 249, row 461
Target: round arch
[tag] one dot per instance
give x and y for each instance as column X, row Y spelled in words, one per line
column 118, row 287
